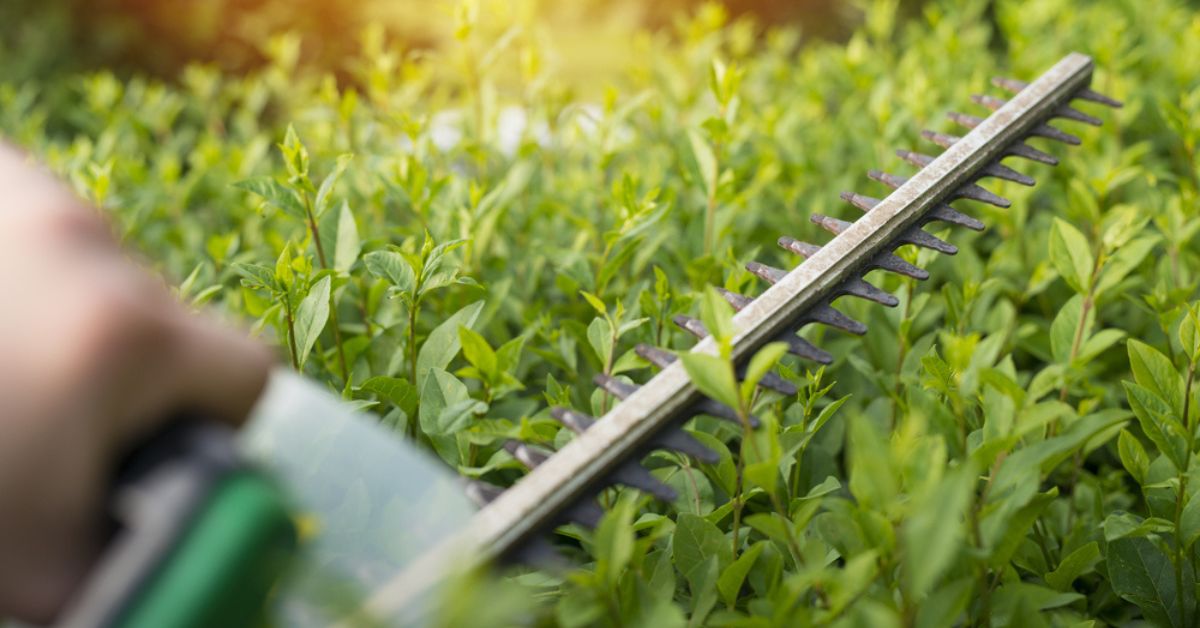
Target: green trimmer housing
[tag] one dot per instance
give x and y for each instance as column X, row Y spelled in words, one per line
column 199, row 538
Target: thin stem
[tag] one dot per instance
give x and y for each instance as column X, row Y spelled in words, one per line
column 1181, row 495
column 333, row 317
column 737, row 496
column 291, row 331
column 903, row 353
column 413, row 310
column 985, row 590
column 710, row 209
column 1078, row 340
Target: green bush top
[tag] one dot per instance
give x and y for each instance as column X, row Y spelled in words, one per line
column 457, row 241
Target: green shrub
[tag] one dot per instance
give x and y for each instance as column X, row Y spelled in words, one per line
column 1011, row 445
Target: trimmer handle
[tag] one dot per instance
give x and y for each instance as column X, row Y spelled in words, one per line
column 198, row 538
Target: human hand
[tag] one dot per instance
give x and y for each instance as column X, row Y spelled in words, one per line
column 95, row 353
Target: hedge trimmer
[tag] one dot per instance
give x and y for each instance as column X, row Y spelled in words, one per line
column 561, row 487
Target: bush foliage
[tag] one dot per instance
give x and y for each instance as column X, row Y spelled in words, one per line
column 457, row 240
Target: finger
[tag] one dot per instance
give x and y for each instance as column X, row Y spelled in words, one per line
column 149, row 359
column 220, row 370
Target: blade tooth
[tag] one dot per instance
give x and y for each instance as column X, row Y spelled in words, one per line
column 890, row 180
column 861, row 201
column 1049, row 132
column 991, row 102
column 946, row 213
column 802, row 348
column 919, row 160
column 827, row 315
column 1012, row 86
column 941, row 139
column 691, row 325
column 585, row 512
column 720, row 411
column 678, row 440
column 974, row 192
column 921, row 238
column 893, row 263
column 658, row 357
column 1026, row 151
column 885, row 261
column 536, row 552
column 860, row 288
column 634, row 475
column 964, row 120
column 832, row 225
column 615, row 387
column 803, row 249
column 673, row 439
column 577, row 422
column 482, row 493
column 770, row 274
column 696, row 328
column 1097, row 97
column 738, row 301
column 1070, row 113
column 1001, row 171
column 771, row 381
column 525, row 454
column 663, row 358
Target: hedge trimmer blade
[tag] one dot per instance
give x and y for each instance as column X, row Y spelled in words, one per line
column 606, row 451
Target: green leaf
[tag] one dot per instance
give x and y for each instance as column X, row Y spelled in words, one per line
column 762, row 455
column 1079, row 562
column 706, row 161
column 295, row 156
column 730, row 582
column 1099, row 343
column 1120, row 525
column 1023, row 603
column 478, row 352
column 399, row 392
column 1189, row 331
column 713, row 376
column 1158, row 423
column 256, row 275
column 1189, row 521
column 348, row 245
column 944, row 606
column 1123, row 261
column 443, row 342
column 322, row 202
column 600, row 338
column 1141, row 573
column 717, row 316
column 704, row 591
column 696, row 540
column 760, row 365
column 934, row 533
column 1133, row 456
column 1154, row 372
column 595, row 302
column 873, row 480
column 393, row 267
column 275, row 194
column 771, row 525
column 446, row 404
column 1065, row 328
column 311, row 317
column 1071, row 255
column 613, row 545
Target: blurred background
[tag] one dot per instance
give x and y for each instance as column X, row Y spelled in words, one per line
column 42, row 37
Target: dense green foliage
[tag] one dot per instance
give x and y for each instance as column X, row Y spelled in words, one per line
column 998, row 449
